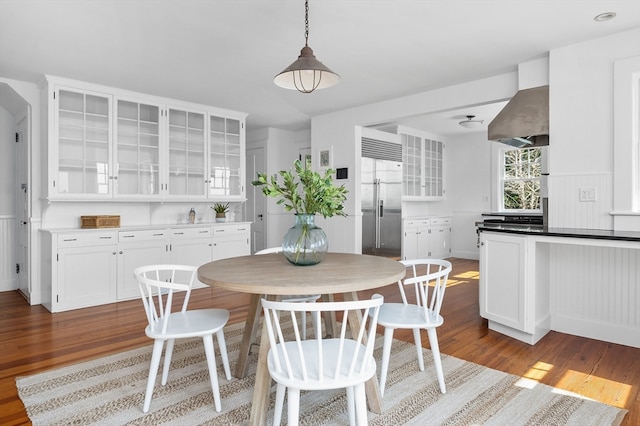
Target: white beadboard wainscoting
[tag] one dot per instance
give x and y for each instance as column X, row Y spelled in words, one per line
column 567, row 211
column 8, row 276
column 595, row 292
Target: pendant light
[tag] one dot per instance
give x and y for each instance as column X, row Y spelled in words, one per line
column 307, row 73
column 470, row 123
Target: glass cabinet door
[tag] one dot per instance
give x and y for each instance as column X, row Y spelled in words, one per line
column 433, row 162
column 411, row 165
column 186, row 153
column 224, row 157
column 137, row 149
column 83, row 150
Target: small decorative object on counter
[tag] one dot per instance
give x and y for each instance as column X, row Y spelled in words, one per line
column 221, row 211
column 192, row 216
column 305, row 243
column 97, row 222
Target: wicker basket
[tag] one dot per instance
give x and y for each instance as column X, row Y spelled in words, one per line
column 93, row 222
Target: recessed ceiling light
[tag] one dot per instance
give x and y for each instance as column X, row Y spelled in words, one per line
column 605, row 16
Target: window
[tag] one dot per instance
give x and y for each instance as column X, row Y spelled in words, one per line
column 520, row 181
column 626, row 144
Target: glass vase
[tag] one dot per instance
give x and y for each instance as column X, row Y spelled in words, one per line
column 305, row 243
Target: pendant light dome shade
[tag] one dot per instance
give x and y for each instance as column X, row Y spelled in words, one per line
column 306, row 74
column 470, row 123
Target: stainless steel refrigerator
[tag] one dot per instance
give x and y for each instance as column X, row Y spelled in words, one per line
column 381, row 182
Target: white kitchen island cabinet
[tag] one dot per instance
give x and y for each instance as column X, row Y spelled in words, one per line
column 509, row 296
column 576, row 281
column 92, row 267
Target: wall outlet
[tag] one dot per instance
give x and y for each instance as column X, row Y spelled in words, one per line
column 587, row 194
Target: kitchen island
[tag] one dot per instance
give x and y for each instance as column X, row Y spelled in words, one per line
column 535, row 279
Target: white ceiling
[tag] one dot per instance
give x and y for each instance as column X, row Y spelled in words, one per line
column 225, row 53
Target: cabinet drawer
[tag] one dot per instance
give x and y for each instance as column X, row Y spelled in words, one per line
column 441, row 221
column 227, row 231
column 147, row 235
column 190, row 233
column 86, row 239
column 416, row 222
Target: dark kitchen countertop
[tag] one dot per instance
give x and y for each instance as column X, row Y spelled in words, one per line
column 601, row 234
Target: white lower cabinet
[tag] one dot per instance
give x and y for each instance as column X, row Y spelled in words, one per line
column 426, row 238
column 509, row 296
column 414, row 243
column 439, row 237
column 191, row 246
column 503, row 278
column 94, row 267
column 135, row 249
column 82, row 270
column 231, row 240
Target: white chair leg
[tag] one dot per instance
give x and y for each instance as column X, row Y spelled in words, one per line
column 153, row 372
column 351, row 405
column 167, row 361
column 213, row 372
column 386, row 352
column 418, row 340
column 277, row 411
column 361, row 405
column 435, row 350
column 303, row 317
column 223, row 354
column 293, row 409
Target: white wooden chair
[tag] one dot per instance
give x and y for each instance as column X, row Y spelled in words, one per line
column 429, row 288
column 297, row 297
column 320, row 364
column 158, row 283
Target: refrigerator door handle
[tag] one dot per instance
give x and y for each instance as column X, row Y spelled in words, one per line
column 378, row 213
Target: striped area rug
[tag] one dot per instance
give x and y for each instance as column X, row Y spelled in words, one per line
column 110, row 391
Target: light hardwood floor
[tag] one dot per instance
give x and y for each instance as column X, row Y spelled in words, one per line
column 34, row 340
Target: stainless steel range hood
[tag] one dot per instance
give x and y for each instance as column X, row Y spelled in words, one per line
column 524, row 121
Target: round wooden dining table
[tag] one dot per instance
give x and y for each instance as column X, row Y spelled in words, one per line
column 272, row 276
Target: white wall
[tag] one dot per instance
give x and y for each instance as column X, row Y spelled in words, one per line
column 581, row 127
column 7, row 163
column 337, row 130
column 282, row 148
column 8, row 277
column 468, row 189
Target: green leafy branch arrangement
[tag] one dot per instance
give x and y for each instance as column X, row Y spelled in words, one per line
column 318, row 195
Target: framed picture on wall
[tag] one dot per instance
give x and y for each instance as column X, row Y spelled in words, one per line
column 325, row 158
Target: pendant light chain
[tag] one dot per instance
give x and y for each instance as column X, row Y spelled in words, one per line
column 306, row 22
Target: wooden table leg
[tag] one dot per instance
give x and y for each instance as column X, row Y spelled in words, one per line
column 249, row 336
column 372, row 388
column 262, row 386
column 330, row 323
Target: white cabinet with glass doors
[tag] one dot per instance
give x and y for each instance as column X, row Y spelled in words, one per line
column 186, row 174
column 137, row 149
column 107, row 143
column 80, row 147
column 423, row 166
column 226, row 158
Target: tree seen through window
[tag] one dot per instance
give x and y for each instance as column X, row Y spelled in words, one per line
column 521, row 179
